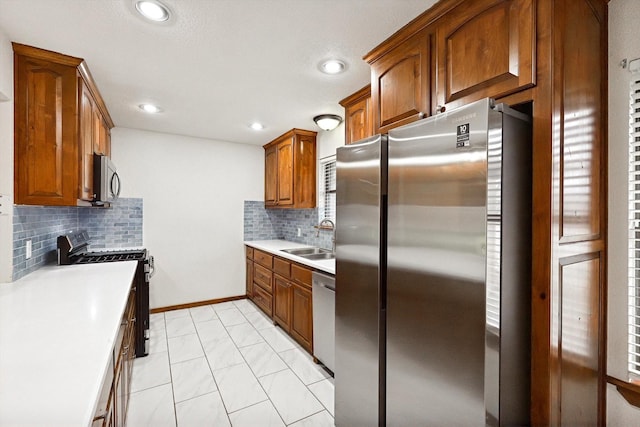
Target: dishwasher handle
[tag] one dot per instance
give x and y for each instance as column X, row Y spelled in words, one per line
column 326, row 286
column 323, row 280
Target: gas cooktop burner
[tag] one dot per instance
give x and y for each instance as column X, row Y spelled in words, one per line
column 111, row 256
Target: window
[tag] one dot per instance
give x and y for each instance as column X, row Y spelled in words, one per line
column 634, row 226
column 327, row 208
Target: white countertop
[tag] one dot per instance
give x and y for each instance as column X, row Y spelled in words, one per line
column 58, row 326
column 276, row 246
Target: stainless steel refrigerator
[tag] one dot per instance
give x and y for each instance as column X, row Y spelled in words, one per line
column 433, row 267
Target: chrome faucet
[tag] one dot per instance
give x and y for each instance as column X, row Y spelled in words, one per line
column 331, row 226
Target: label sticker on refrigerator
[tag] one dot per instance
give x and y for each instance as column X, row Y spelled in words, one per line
column 462, row 136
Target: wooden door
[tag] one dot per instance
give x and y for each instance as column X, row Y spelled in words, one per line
column 45, row 132
column 87, row 137
column 100, row 132
column 358, row 116
column 358, row 122
column 107, row 140
column 574, row 393
column 485, row 48
column 302, row 316
column 270, row 176
column 249, row 263
column 282, row 299
column 304, row 167
column 400, row 84
column 285, row 172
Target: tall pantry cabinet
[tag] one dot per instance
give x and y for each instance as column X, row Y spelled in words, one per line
column 546, row 58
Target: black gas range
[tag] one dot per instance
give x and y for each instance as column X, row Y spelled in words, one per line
column 73, row 249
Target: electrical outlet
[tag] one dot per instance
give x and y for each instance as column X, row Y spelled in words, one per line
column 299, row 232
column 28, row 249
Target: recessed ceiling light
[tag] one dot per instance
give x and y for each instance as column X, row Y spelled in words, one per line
column 153, row 10
column 332, row 66
column 150, row 108
column 256, row 126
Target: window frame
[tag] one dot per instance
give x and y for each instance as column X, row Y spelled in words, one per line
column 633, row 291
column 325, row 190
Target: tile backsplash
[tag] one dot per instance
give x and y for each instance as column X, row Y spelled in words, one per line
column 118, row 226
column 270, row 224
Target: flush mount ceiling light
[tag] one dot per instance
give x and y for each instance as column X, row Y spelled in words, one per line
column 153, row 10
column 327, row 121
column 256, row 126
column 150, row 108
column 332, row 66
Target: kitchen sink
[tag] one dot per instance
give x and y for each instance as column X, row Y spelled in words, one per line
column 311, row 253
column 303, row 252
column 325, row 255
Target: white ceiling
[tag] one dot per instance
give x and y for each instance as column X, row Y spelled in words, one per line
column 218, row 65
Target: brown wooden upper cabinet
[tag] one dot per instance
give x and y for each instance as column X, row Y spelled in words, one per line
column 290, row 170
column 60, row 121
column 485, row 48
column 401, row 82
column 358, row 117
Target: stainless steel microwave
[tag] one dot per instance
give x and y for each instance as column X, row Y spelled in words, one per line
column 106, row 182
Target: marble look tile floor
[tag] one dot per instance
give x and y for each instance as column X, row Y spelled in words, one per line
column 227, row 365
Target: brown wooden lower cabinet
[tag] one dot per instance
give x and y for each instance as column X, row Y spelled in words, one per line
column 283, row 292
column 114, row 397
column 302, row 316
column 282, row 299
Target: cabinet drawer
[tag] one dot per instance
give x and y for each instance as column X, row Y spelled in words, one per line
column 248, row 252
column 301, row 275
column 262, row 299
column 281, row 267
column 262, row 277
column 263, row 258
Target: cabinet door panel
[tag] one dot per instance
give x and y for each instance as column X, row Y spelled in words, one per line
column 100, row 131
column 45, row 151
column 285, row 172
column 87, row 137
column 358, row 117
column 486, row 48
column 271, row 176
column 304, row 168
column 282, row 301
column 302, row 317
column 358, row 121
column 400, row 84
column 249, row 263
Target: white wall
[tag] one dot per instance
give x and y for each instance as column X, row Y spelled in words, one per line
column 6, row 158
column 193, row 194
column 624, row 42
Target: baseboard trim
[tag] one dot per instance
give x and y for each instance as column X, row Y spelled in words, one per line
column 195, row 304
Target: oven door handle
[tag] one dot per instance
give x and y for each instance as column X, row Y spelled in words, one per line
column 152, row 266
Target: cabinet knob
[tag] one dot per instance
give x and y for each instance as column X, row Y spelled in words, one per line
column 440, row 109
column 421, row 115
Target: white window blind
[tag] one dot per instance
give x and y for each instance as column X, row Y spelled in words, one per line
column 634, row 226
column 328, row 191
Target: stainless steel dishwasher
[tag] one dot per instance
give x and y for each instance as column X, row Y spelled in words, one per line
column 324, row 317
